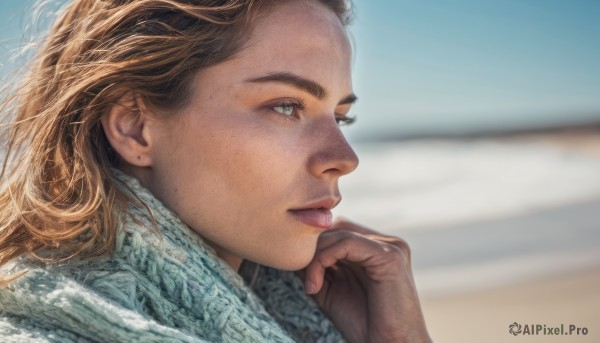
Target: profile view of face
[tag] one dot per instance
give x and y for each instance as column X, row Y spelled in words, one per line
column 260, row 137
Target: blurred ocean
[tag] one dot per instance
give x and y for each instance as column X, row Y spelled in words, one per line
column 481, row 212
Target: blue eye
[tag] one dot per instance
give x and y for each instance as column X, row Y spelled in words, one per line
column 285, row 109
column 288, row 109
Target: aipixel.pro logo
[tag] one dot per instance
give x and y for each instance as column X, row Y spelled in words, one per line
column 546, row 330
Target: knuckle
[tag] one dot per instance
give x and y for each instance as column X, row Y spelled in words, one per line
column 401, row 249
column 320, row 260
column 394, row 252
column 403, row 246
column 349, row 237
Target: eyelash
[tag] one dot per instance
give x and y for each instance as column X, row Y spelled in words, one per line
column 300, row 105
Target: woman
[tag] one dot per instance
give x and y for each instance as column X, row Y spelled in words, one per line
column 172, row 168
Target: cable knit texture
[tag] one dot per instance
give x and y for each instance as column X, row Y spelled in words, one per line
column 153, row 289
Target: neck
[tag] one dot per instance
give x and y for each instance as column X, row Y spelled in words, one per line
column 232, row 259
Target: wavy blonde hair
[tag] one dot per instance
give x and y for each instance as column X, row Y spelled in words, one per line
column 58, row 198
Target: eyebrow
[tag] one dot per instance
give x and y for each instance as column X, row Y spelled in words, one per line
column 301, row 83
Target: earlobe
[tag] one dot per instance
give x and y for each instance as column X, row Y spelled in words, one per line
column 127, row 130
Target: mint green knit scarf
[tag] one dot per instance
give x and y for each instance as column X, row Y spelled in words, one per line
column 173, row 289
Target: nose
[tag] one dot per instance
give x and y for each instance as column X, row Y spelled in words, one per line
column 332, row 153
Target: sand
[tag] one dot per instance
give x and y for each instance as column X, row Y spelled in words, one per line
column 485, row 316
column 585, row 140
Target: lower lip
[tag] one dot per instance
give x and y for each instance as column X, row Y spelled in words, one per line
column 321, row 218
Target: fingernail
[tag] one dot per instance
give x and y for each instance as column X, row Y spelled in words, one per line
column 311, row 288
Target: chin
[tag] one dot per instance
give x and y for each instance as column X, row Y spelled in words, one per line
column 290, row 252
column 295, row 258
column 292, row 264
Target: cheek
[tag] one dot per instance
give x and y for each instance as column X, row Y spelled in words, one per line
column 229, row 163
column 259, row 164
column 233, row 180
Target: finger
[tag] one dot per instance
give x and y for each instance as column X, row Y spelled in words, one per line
column 351, row 247
column 330, row 236
column 325, row 240
column 342, row 223
column 355, row 270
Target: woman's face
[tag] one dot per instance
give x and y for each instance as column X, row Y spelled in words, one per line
column 259, row 138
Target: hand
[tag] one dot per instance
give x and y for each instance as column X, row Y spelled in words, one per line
column 363, row 282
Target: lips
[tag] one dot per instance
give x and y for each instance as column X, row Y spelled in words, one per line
column 318, row 217
column 317, row 213
column 327, row 203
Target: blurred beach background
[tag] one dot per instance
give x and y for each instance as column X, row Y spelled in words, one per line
column 478, row 134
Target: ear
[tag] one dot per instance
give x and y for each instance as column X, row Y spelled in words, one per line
column 127, row 130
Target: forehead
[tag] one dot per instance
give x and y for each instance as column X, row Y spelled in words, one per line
column 301, row 37
column 309, row 19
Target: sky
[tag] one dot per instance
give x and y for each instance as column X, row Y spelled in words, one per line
column 450, row 67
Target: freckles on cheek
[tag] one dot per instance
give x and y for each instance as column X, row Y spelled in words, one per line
column 262, row 165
